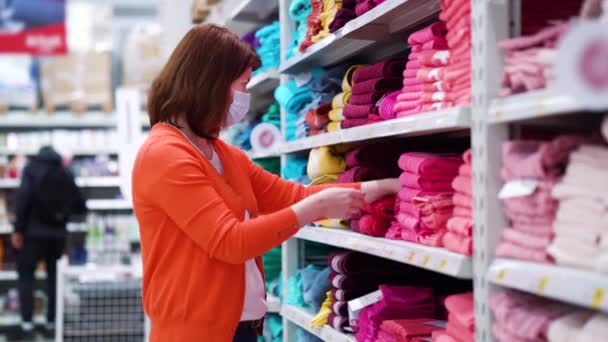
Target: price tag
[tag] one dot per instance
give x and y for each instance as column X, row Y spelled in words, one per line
column 425, row 260
column 411, row 257
column 502, row 275
column 518, row 188
column 598, row 298
column 542, row 107
column 542, row 284
column 442, row 265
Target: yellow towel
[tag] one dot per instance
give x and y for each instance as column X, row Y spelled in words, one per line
column 336, row 114
column 325, row 179
column 348, row 78
column 334, row 126
column 321, row 318
column 341, row 100
column 324, row 161
column 330, row 8
column 334, row 223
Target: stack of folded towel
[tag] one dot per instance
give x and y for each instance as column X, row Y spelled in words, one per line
column 376, row 218
column 407, row 330
column 529, row 60
column 318, row 119
column 313, row 23
column 330, row 9
column 268, row 50
column 461, row 317
column 459, row 237
column 420, row 80
column 398, row 302
column 295, row 169
column 457, row 16
column 298, row 12
column 581, row 224
column 578, row 326
column 336, row 115
column 323, row 88
column 324, row 165
column 532, row 215
column 425, row 201
column 523, row 317
column 370, row 84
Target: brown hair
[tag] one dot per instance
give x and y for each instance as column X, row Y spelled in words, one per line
column 195, row 82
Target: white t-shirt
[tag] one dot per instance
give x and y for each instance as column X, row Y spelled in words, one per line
column 254, row 307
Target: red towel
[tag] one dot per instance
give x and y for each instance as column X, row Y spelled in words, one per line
column 350, row 123
column 392, row 67
column 374, row 226
column 357, row 111
column 318, row 118
column 382, row 208
column 362, row 174
column 378, row 85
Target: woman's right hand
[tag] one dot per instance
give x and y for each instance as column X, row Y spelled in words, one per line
column 329, row 203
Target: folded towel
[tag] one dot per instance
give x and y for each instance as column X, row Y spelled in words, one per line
column 510, row 250
column 434, row 58
column 430, row 164
column 336, row 114
column 525, row 240
column 362, row 174
column 460, row 225
column 386, row 109
column 378, row 85
column 341, row 100
column 463, row 212
column 438, row 43
column 357, row 111
column 458, row 243
column 427, row 34
column 374, row 226
column 365, row 99
column 431, row 183
column 347, row 80
column 463, row 200
column 349, row 123
column 392, row 67
column 431, row 74
column 567, row 328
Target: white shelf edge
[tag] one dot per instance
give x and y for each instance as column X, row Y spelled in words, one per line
column 302, row 318
column 85, row 182
column 274, row 303
column 272, row 74
column 532, row 105
column 263, row 155
column 424, row 123
column 109, row 204
column 580, row 287
column 431, row 258
column 24, row 119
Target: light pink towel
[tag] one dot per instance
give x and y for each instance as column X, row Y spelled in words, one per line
column 458, row 243
column 463, row 200
column 463, row 212
column 510, row 250
column 525, row 240
column 465, row 170
column 433, row 238
column 463, row 184
column 408, row 194
column 427, row 34
column 461, row 308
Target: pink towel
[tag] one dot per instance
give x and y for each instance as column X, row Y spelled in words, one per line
column 413, row 88
column 387, row 105
column 510, row 250
column 428, row 204
column 437, row 220
column 532, row 228
column 463, row 200
column 411, row 81
column 427, row 34
column 434, row 58
column 525, row 240
column 443, row 337
column 438, row 43
column 404, row 106
column 433, row 238
column 463, row 185
column 409, row 73
column 357, row 111
column 431, row 74
column 415, row 64
column 461, row 225
column 459, row 331
column 431, row 183
column 407, row 221
column 463, row 212
column 523, row 42
column 461, row 308
column 456, row 9
column 364, row 7
column 458, row 243
column 394, row 232
column 407, row 97
column 430, row 164
column 465, row 170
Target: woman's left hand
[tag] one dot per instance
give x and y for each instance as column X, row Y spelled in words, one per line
column 375, row 190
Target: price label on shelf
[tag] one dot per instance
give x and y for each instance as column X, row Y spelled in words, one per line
column 502, row 274
column 598, row 298
column 426, row 260
column 542, row 284
column 442, row 265
column 411, row 257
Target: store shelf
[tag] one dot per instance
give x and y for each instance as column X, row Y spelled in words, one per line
column 109, row 204
column 264, row 83
column 384, row 20
column 11, row 275
column 254, row 10
column 84, row 182
column 580, row 287
column 532, row 105
column 73, row 151
column 26, row 119
column 274, row 303
column 302, row 318
column 431, row 258
column 452, row 119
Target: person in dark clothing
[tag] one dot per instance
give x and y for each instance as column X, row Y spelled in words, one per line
column 46, row 198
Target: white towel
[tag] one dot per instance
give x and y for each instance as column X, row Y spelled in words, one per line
column 572, row 190
column 584, row 235
column 567, row 328
column 573, row 253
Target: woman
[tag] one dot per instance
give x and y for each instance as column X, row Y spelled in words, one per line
column 199, row 201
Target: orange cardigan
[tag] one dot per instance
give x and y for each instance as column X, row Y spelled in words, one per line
column 194, row 240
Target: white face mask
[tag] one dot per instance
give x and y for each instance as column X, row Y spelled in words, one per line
column 238, row 108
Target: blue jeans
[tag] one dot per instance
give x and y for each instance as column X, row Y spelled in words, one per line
column 245, row 334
